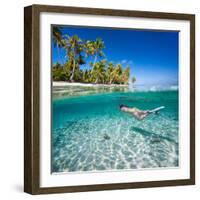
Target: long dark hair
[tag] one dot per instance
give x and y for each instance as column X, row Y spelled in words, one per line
column 122, row 105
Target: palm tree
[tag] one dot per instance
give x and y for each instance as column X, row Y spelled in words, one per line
column 58, row 39
column 116, row 74
column 98, row 46
column 110, row 69
column 89, row 48
column 58, row 74
column 85, row 76
column 74, row 48
column 94, row 48
column 99, row 71
column 125, row 75
column 133, row 79
column 57, row 36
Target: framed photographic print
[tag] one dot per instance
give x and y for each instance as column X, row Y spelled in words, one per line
column 109, row 99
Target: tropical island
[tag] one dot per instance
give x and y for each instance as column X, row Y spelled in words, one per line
column 80, row 52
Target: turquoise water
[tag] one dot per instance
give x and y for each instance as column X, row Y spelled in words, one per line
column 90, row 133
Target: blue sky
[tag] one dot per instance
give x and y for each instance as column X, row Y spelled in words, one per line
column 151, row 55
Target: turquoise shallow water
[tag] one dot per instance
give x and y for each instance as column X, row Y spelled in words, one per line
column 90, row 133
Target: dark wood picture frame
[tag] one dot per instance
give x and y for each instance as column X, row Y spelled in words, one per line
column 32, row 93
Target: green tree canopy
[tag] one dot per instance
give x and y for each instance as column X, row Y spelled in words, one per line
column 77, row 53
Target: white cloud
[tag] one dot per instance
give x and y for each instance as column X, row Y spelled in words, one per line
column 127, row 62
column 124, row 61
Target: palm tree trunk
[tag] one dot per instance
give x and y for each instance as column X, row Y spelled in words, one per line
column 97, row 80
column 95, row 60
column 111, row 81
column 73, row 70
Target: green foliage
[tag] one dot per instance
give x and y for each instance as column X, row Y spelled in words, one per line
column 133, row 79
column 77, row 53
column 57, row 37
column 125, row 75
column 59, row 74
column 99, row 72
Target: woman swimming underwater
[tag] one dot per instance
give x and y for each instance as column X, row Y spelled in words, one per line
column 137, row 113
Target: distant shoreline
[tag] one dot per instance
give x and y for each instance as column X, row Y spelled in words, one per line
column 63, row 83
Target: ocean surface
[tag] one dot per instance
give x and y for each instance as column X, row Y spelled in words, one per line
column 90, row 133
